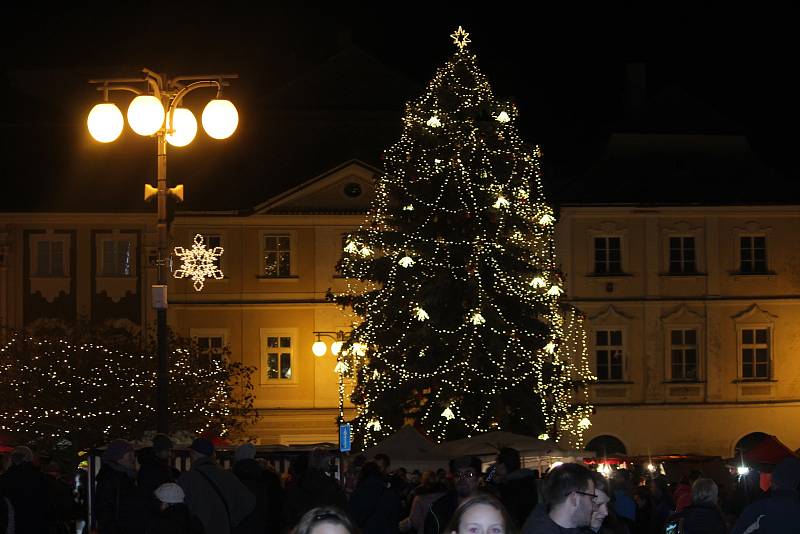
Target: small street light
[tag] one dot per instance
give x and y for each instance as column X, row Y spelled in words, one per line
column 155, row 111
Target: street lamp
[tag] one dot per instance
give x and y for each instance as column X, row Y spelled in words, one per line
column 155, row 112
column 319, row 348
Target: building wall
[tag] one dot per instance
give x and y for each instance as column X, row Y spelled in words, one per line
column 649, row 409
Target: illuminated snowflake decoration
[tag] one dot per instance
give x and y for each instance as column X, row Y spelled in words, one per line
column 199, row 263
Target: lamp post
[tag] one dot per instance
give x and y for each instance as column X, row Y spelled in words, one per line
column 319, row 348
column 155, row 112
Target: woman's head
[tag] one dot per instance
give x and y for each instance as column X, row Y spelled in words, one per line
column 704, row 492
column 481, row 515
column 600, row 511
column 324, row 520
column 429, row 479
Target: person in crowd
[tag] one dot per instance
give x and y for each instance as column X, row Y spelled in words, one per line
column 384, row 463
column 424, row 495
column 324, row 520
column 398, row 481
column 466, row 472
column 441, row 474
column 645, row 518
column 374, row 508
column 703, row 516
column 779, row 512
column 516, row 486
column 352, row 472
column 26, row 489
column 154, row 465
column 622, row 498
column 6, row 516
column 214, row 495
column 265, row 485
column 662, row 503
column 120, row 507
column 569, row 496
column 172, row 516
column 482, row 514
column 604, row 518
column 63, row 508
column 683, row 493
column 311, row 487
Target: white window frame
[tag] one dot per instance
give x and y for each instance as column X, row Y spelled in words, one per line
column 623, row 347
column 262, row 261
column 752, row 235
column 196, row 333
column 682, row 270
column 740, row 347
column 291, row 333
column 607, row 262
column 116, row 237
column 49, row 237
column 697, row 348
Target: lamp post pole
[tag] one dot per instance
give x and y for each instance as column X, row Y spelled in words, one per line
column 105, row 124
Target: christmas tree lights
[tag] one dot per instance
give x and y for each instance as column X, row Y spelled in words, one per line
column 459, row 321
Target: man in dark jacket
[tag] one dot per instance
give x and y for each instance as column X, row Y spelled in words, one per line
column 466, row 472
column 120, row 508
column 26, row 488
column 516, row 486
column 779, row 512
column 569, row 495
column 374, row 506
column 154, row 466
column 703, row 515
column 311, row 487
column 267, row 516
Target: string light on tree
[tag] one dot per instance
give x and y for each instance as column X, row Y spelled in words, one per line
column 480, row 317
column 199, row 263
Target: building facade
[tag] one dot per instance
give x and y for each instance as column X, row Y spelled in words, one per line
column 694, row 322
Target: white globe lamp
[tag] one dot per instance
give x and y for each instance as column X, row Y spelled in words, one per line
column 184, row 127
column 105, row 122
column 220, row 118
column 145, row 114
column 319, row 348
column 336, row 347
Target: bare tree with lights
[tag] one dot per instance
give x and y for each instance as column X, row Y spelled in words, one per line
column 460, row 324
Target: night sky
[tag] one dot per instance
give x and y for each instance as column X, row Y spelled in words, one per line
column 563, row 66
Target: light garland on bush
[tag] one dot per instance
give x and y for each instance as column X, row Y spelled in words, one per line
column 463, row 196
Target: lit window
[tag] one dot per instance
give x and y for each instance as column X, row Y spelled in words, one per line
column 277, row 256
column 117, row 258
column 683, row 354
column 753, row 254
column 607, row 255
column 49, row 258
column 682, row 255
column 610, row 354
column 279, row 357
column 755, row 353
column 212, row 241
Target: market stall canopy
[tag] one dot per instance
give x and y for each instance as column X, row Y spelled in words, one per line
column 492, row 442
column 410, row 449
column 769, row 451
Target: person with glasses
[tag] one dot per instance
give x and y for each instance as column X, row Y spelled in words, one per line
column 466, row 471
column 324, row 520
column 569, row 501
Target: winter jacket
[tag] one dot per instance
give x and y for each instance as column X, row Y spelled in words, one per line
column 539, row 522
column 120, row 508
column 153, row 471
column 311, row 489
column 216, row 496
column 682, row 497
column 26, row 487
column 518, row 493
column 415, row 522
column 267, row 516
column 175, row 519
column 777, row 514
column 375, row 507
column 701, row 519
column 440, row 513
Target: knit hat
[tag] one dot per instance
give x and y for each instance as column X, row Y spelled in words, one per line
column 203, row 446
column 161, row 443
column 169, row 493
column 786, row 474
column 246, row 451
column 116, row 450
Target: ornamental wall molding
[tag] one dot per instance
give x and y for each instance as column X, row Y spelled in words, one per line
column 610, row 315
column 682, row 314
column 754, row 314
column 682, row 227
column 752, row 227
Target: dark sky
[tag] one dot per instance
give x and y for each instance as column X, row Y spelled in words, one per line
column 561, row 64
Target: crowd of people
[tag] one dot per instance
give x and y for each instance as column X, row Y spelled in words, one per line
column 141, row 492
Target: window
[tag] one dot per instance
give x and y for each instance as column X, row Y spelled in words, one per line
column 681, row 255
column 609, row 353
column 116, row 258
column 277, row 256
column 49, row 258
column 755, row 353
column 607, row 255
column 211, row 241
column 279, row 357
column 752, row 254
column 683, row 354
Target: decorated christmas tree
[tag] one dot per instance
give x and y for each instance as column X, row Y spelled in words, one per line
column 459, row 324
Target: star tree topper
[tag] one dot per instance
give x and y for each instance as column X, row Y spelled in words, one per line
column 460, row 38
column 199, row 263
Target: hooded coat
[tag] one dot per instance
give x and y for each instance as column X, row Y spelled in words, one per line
column 375, row 507
column 267, row 516
column 120, row 508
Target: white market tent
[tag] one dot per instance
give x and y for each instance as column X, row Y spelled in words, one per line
column 410, row 449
